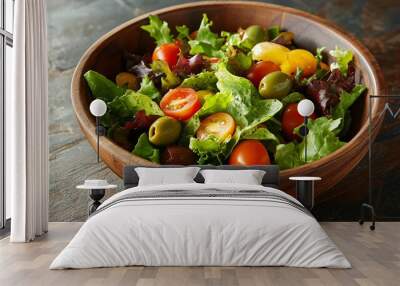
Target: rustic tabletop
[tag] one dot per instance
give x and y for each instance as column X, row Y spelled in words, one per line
column 73, row 25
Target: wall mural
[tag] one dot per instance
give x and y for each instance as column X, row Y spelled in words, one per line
column 72, row 160
column 385, row 182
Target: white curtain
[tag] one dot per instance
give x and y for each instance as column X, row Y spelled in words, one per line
column 26, row 124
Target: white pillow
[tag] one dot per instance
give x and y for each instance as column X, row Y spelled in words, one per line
column 248, row 177
column 166, row 176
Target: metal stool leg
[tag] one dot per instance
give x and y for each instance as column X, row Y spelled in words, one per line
column 373, row 216
column 96, row 195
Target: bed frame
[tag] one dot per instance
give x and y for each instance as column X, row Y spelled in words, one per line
column 271, row 177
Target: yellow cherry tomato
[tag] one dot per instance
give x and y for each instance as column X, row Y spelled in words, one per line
column 302, row 59
column 267, row 51
column 128, row 80
column 220, row 125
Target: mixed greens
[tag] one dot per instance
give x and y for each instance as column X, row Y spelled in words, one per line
column 216, row 98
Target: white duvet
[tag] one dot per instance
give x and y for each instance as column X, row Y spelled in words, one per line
column 200, row 231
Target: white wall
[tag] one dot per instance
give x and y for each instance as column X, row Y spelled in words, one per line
column 9, row 12
column 8, row 93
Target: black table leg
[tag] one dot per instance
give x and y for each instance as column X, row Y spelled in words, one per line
column 305, row 193
column 96, row 196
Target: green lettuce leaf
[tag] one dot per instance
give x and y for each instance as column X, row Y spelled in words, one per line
column 240, row 62
column 321, row 141
column 231, row 39
column 343, row 58
column 170, row 80
column 148, row 88
column 287, row 156
column 189, row 130
column 320, row 72
column 108, row 120
column 212, row 150
column 101, row 87
column 183, row 32
column 242, row 100
column 127, row 105
column 158, row 30
column 201, row 81
column 144, row 149
column 238, row 97
column 261, row 111
column 346, row 101
column 293, row 97
column 235, row 40
column 260, row 133
column 319, row 57
column 206, row 42
column 208, row 151
column 240, row 92
column 217, row 103
column 274, row 125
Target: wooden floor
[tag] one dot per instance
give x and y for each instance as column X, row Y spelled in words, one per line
column 375, row 257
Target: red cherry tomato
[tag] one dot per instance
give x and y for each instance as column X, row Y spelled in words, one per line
column 249, row 152
column 292, row 119
column 261, row 69
column 180, row 103
column 178, row 43
column 168, row 53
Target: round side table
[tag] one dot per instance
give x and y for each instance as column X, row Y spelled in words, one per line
column 96, row 193
column 305, row 190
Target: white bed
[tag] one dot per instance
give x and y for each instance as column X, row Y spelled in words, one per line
column 260, row 226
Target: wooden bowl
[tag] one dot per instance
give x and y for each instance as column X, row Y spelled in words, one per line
column 105, row 56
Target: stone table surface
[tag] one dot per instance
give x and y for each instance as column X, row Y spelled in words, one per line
column 73, row 25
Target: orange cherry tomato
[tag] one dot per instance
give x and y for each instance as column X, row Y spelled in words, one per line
column 168, row 53
column 261, row 69
column 292, row 119
column 302, row 59
column 249, row 152
column 180, row 103
column 220, row 125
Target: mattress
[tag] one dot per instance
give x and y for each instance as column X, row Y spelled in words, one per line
column 201, row 225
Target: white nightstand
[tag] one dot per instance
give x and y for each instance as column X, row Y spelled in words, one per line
column 305, row 190
column 97, row 190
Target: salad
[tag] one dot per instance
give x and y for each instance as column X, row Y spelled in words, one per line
column 202, row 97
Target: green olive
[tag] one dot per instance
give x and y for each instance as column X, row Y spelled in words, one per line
column 275, row 85
column 255, row 34
column 164, row 131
